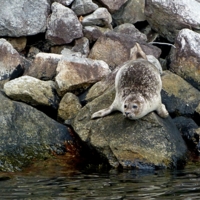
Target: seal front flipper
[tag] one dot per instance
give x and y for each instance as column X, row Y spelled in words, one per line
column 162, row 112
column 102, row 113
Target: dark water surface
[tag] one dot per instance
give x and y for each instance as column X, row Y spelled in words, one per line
column 61, row 181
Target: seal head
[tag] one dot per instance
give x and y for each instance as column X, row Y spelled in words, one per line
column 133, row 106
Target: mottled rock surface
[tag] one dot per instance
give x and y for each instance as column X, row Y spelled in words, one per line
column 27, row 135
column 63, row 25
column 130, row 12
column 68, row 107
column 32, row 91
column 44, row 66
column 82, row 45
column 18, row 43
column 11, row 63
column 100, row 17
column 114, row 48
column 130, row 31
column 83, row 7
column 148, row 143
column 22, row 17
column 113, row 6
column 76, row 73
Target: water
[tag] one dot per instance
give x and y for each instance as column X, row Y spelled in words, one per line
column 59, row 180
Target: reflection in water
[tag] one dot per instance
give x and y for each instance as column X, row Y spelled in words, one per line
column 57, row 181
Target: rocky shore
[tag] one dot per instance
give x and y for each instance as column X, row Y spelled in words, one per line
column 58, row 61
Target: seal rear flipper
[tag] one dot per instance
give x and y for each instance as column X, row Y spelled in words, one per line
column 102, row 113
column 162, row 112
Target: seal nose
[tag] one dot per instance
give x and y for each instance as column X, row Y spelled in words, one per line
column 126, row 113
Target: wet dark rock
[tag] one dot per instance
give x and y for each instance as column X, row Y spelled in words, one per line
column 27, row 134
column 179, row 96
column 188, row 129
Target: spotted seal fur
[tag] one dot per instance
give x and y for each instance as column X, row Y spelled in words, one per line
column 138, row 85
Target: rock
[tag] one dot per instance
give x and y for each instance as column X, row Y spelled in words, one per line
column 18, row 43
column 130, row 30
column 27, row 135
column 32, row 91
column 148, row 143
column 94, row 32
column 131, row 12
column 63, row 26
column 183, row 13
column 189, row 131
column 82, row 45
column 64, row 2
column 198, row 109
column 76, row 73
column 180, row 97
column 58, row 49
column 185, row 59
column 100, row 17
column 11, row 63
column 44, row 66
column 113, row 6
column 83, row 7
column 33, row 51
column 114, row 48
column 68, row 107
column 22, row 17
column 70, row 54
column 150, row 34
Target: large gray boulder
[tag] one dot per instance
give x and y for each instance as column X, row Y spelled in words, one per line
column 169, row 17
column 147, row 143
column 63, row 25
column 185, row 58
column 27, row 134
column 22, row 17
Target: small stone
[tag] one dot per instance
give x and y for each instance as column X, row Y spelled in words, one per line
column 68, row 107
column 83, row 7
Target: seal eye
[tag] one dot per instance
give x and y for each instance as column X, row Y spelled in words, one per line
column 125, row 106
column 134, row 106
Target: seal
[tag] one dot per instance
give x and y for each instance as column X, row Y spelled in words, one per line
column 138, row 85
